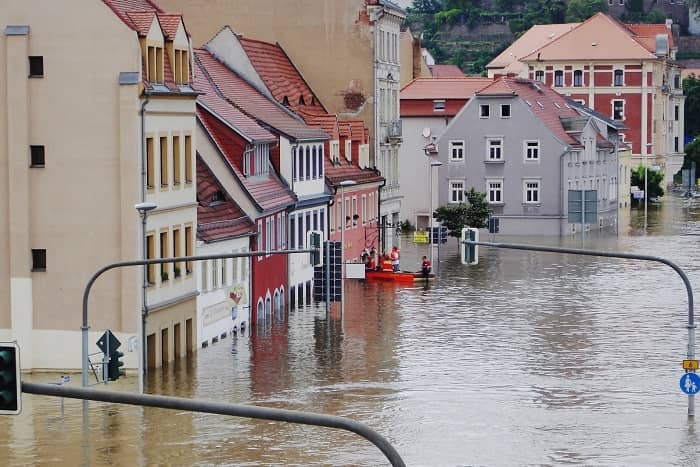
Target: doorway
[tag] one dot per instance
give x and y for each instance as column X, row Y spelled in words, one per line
column 164, row 356
column 177, row 350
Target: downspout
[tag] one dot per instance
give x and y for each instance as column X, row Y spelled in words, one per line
column 561, row 191
column 380, row 230
column 144, row 282
column 143, row 149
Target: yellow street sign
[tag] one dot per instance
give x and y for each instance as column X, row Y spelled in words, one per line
column 420, row 237
column 690, row 364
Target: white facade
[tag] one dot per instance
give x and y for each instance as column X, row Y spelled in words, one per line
column 223, row 304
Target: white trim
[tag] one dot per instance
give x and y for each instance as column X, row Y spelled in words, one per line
column 481, row 110
column 498, row 189
column 526, row 147
column 509, row 110
column 538, row 190
column 451, row 190
column 452, row 148
column 489, row 157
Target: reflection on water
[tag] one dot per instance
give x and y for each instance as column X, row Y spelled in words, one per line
column 526, row 358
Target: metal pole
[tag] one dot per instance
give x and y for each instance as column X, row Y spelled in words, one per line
column 86, row 293
column 646, row 188
column 573, row 251
column 430, row 237
column 327, row 264
column 144, row 307
column 236, row 410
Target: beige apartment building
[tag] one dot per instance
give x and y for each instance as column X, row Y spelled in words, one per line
column 96, row 115
column 352, row 53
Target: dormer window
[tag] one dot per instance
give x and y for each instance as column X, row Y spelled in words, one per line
column 182, row 67
column 260, row 163
column 216, row 198
column 285, row 101
column 335, row 152
column 301, row 100
column 154, row 64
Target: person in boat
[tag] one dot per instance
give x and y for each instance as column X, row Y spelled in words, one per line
column 425, row 266
column 395, row 259
column 387, row 263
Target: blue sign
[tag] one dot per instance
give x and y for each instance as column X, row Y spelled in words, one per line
column 690, row 383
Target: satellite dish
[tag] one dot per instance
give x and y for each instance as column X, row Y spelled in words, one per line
column 426, row 132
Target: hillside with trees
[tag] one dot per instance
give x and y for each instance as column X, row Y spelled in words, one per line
column 470, row 33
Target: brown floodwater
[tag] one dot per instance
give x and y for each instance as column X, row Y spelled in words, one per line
column 524, row 359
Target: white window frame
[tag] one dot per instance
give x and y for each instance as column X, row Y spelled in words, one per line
column 573, row 78
column 622, row 82
column 364, row 209
column 438, row 105
column 508, row 106
column 456, row 146
column 537, row 190
column 491, row 190
column 489, row 146
column 485, row 107
column 612, row 110
column 554, row 78
column 527, row 146
column 460, row 191
column 260, row 238
column 540, row 76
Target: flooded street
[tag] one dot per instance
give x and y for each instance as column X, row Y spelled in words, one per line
column 524, row 359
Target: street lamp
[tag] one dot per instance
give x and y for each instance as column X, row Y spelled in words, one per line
column 646, row 186
column 343, row 184
column 143, row 209
column 433, row 163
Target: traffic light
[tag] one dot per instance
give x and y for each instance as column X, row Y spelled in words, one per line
column 313, row 240
column 470, row 253
column 114, row 370
column 10, row 382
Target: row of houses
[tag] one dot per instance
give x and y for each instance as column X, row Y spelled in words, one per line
column 566, row 107
column 228, row 141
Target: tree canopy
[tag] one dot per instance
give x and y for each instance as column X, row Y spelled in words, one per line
column 581, row 10
column 691, row 88
column 655, row 181
column 473, row 213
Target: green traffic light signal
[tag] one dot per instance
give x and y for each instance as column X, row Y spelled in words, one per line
column 114, row 370
column 10, row 384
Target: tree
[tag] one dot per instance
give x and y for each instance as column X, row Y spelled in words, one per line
column 691, row 88
column 473, row 213
column 581, row 10
column 694, row 7
column 692, row 154
column 655, row 180
column 425, row 6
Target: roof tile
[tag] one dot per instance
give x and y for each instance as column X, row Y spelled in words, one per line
column 443, row 88
column 445, row 71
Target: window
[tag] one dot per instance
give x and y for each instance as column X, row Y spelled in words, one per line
column 159, row 65
column 164, row 161
column 260, row 238
column 154, row 70
column 618, row 78
column 188, row 159
column 223, row 263
column 308, row 163
column 677, row 81
column 531, row 191
column 364, row 210
column 559, row 78
column 676, row 145
column 456, row 191
column 37, row 156
column 320, row 161
column 354, row 211
column 36, row 67
column 182, row 67
column 294, row 163
column 335, row 151
column 495, row 191
column 164, row 267
column 505, row 110
column 484, row 110
column 189, row 248
column 322, row 223
column 456, row 151
column 262, row 157
column 292, row 232
column 539, row 76
column 618, row 110
column 177, row 252
column 438, row 105
column 176, row 160
column 38, row 259
column 621, row 2
column 314, row 164
column 532, row 151
column 610, row 2
column 676, row 112
column 150, row 164
column 151, row 254
column 578, row 78
column 495, row 149
column 300, row 231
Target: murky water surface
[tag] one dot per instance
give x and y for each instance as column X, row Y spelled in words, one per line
column 525, row 359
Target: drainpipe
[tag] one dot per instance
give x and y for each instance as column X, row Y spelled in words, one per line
column 143, row 149
column 380, row 230
column 144, row 281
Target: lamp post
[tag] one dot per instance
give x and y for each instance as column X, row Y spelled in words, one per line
column 343, row 184
column 646, row 186
column 143, row 209
column 433, row 164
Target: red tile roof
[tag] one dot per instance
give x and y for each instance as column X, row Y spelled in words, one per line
column 217, row 220
column 281, row 77
column 344, row 170
column 141, row 21
column 169, row 24
column 443, row 88
column 545, row 103
column 646, row 34
column 269, row 192
column 445, row 71
column 215, row 104
column 250, row 101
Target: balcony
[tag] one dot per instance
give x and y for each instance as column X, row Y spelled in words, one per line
column 394, row 134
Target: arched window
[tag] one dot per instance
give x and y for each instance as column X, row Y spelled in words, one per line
column 314, row 164
column 278, row 306
column 619, row 78
column 578, row 78
column 261, row 310
column 308, row 162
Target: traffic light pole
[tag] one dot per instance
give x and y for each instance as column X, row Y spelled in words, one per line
column 606, row 254
column 236, row 410
column 145, row 262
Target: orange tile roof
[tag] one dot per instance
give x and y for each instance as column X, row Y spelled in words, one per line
column 169, row 24
column 600, row 37
column 218, row 220
column 445, row 71
column 215, row 104
column 531, row 40
column 281, row 77
column 141, row 21
column 443, row 88
column 646, row 34
column 545, row 103
column 268, row 192
column 251, row 102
